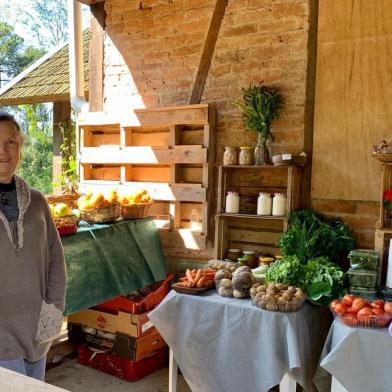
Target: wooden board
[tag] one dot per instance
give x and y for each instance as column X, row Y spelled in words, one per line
column 353, row 108
column 158, row 191
column 381, row 244
column 117, row 154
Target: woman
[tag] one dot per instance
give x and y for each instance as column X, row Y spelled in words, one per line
column 33, row 273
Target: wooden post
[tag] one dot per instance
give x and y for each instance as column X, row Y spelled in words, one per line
column 61, row 112
column 96, row 54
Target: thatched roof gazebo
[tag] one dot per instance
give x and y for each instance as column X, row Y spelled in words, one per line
column 47, row 80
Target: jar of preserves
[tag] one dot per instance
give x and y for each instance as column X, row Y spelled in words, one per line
column 230, row 156
column 246, row 157
column 264, row 204
column 249, row 258
column 232, row 203
column 279, row 204
column 233, row 254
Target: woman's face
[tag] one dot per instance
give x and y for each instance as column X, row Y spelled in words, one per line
column 10, row 147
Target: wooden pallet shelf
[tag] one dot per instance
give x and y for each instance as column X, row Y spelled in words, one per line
column 170, row 152
column 246, row 230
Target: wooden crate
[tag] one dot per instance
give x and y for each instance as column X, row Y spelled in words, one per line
column 386, row 183
column 381, row 244
column 246, row 230
column 167, row 151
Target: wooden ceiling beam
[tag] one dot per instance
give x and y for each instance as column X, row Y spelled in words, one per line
column 91, row 2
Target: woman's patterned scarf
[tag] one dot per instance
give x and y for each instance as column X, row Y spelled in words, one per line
column 24, row 198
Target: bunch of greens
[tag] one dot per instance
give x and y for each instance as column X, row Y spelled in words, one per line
column 311, row 235
column 288, row 271
column 261, row 105
column 320, row 278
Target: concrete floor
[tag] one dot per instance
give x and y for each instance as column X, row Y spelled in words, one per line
column 78, row 378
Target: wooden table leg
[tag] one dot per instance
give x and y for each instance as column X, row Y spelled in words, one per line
column 173, row 370
column 288, row 383
column 336, row 386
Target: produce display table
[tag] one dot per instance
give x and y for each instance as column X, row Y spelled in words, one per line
column 104, row 261
column 359, row 359
column 16, row 382
column 227, row 344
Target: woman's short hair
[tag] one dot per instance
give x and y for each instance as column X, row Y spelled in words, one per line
column 5, row 116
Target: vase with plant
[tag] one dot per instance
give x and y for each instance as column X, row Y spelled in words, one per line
column 387, row 203
column 260, row 106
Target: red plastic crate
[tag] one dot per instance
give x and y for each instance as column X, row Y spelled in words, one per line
column 141, row 305
column 122, row 367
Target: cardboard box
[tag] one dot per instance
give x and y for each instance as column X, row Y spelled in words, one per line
column 123, row 345
column 138, row 348
column 135, row 325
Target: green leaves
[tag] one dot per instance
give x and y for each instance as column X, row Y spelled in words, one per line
column 311, row 235
column 261, row 105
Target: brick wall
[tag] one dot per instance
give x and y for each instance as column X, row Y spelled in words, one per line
column 152, row 56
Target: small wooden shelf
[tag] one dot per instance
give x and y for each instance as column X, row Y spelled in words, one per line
column 252, row 216
column 246, row 230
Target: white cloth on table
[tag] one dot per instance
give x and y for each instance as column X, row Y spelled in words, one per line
column 227, row 344
column 359, row 358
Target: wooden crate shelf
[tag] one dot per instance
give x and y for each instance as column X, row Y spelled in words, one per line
column 386, row 183
column 246, row 230
column 167, row 151
column 382, row 240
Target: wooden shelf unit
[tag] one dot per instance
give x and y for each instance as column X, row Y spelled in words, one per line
column 246, row 230
column 383, row 234
column 170, row 152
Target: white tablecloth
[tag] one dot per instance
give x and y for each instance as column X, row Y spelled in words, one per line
column 359, row 358
column 226, row 344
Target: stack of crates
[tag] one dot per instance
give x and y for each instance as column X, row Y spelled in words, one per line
column 118, row 338
column 363, row 273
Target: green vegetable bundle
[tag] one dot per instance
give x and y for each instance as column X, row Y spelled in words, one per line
column 311, row 235
column 320, row 278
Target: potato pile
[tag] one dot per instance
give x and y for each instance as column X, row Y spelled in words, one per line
column 219, row 265
column 277, row 296
column 236, row 284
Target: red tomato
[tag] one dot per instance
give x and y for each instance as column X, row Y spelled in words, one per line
column 364, row 313
column 348, row 299
column 388, row 307
column 334, row 303
column 378, row 303
column 358, row 304
column 340, row 309
column 377, row 311
column 351, row 311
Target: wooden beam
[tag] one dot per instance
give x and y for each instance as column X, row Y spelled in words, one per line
column 208, row 51
column 96, row 53
column 61, row 112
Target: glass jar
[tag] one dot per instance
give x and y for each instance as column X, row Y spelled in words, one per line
column 264, row 204
column 279, row 204
column 249, row 258
column 233, row 254
column 232, row 203
column 230, row 156
column 246, row 157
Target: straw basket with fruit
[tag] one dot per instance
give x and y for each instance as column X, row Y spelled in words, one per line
column 135, row 206
column 96, row 208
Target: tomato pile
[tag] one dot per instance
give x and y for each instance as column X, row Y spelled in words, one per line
column 358, row 312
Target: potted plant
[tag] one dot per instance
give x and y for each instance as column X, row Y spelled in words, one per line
column 261, row 105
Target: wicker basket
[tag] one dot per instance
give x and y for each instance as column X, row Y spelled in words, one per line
column 383, row 157
column 135, row 211
column 102, row 214
column 67, row 220
column 69, row 199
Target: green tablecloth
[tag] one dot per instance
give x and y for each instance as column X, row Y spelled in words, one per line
column 104, row 261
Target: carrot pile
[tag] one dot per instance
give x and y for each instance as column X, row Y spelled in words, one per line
column 198, row 278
